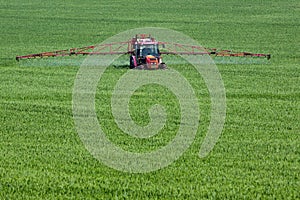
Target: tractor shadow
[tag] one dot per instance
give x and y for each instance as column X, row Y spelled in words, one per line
column 121, row 66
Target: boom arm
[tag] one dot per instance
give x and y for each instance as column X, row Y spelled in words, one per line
column 105, row 49
column 182, row 49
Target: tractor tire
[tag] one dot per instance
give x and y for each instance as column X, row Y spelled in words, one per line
column 131, row 66
column 162, row 66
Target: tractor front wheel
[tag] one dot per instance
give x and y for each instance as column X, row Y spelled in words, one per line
column 162, row 66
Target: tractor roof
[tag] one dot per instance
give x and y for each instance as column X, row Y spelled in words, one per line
column 143, row 39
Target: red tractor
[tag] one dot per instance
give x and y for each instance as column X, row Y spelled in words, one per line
column 145, row 53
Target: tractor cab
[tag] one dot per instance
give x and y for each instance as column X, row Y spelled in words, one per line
column 145, row 52
column 147, row 49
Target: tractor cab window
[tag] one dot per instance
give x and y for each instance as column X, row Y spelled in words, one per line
column 145, row 50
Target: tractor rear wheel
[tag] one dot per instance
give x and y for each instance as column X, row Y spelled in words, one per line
column 131, row 63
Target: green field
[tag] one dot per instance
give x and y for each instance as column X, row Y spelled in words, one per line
column 257, row 155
